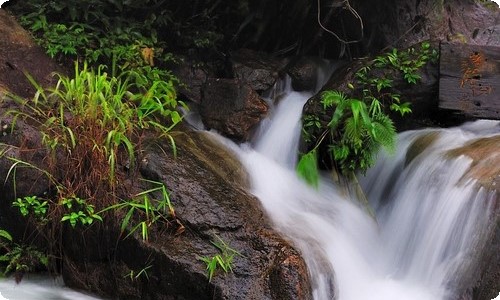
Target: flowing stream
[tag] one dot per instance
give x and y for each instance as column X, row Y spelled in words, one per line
column 429, row 219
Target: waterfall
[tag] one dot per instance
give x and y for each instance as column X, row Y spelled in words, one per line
column 430, row 219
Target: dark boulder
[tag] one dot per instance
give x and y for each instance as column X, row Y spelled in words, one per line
column 231, row 107
column 422, row 96
column 257, row 69
column 191, row 79
column 206, row 184
column 304, row 74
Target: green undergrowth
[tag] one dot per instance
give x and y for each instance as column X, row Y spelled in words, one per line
column 92, row 126
column 359, row 122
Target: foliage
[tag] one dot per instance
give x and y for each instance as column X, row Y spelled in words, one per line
column 23, row 259
column 91, row 125
column 18, row 259
column 99, row 31
column 32, row 204
column 359, row 126
column 149, row 210
column 223, row 260
column 79, row 211
column 307, row 168
column 92, row 116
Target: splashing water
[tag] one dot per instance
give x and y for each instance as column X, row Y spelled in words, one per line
column 39, row 288
column 430, row 219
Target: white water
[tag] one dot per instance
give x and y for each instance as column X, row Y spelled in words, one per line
column 425, row 234
column 39, row 288
column 429, row 220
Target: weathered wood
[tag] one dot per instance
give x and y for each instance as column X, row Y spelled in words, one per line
column 470, row 80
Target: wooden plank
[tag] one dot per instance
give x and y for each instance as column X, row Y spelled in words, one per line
column 469, row 80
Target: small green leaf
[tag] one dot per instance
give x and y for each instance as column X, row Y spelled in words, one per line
column 4, row 234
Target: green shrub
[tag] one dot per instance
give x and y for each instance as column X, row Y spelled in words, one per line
column 360, row 125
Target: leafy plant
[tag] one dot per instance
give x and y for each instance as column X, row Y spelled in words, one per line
column 23, row 259
column 363, row 130
column 90, row 125
column 4, row 235
column 223, row 260
column 307, row 168
column 92, row 116
column 360, row 125
column 79, row 211
column 34, row 205
column 18, row 259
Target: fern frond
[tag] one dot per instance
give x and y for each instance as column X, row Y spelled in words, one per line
column 337, row 116
column 307, row 168
column 353, row 133
column 331, row 98
column 383, row 132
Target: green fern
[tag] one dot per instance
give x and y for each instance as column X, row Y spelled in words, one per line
column 384, row 132
column 359, row 126
column 331, row 98
column 307, row 168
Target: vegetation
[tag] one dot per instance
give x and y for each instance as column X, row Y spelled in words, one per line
column 19, row 259
column 120, row 31
column 223, row 260
column 152, row 210
column 359, row 126
column 91, row 125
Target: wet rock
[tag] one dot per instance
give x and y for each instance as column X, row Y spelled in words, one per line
column 304, row 74
column 256, row 69
column 18, row 55
column 208, row 204
column 485, row 167
column 191, row 79
column 232, row 108
column 419, row 145
column 484, row 282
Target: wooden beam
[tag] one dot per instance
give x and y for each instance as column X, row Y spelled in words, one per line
column 469, row 80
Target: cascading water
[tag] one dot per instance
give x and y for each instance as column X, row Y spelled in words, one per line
column 429, row 218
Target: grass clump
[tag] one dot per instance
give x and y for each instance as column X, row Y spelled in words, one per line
column 92, row 127
column 223, row 260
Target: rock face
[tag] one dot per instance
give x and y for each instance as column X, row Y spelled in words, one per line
column 207, row 190
column 304, row 74
column 256, row 69
column 206, row 184
column 203, row 181
column 19, row 55
column 231, row 107
column 404, row 23
column 191, row 80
